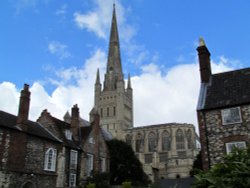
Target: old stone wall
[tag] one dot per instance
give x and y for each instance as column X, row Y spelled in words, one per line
column 218, row 135
column 172, row 162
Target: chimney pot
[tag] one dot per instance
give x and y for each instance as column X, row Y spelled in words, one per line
column 204, row 62
column 24, row 105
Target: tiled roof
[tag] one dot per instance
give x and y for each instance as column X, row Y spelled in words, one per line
column 9, row 121
column 228, row 89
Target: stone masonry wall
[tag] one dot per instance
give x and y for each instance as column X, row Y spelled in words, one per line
column 218, row 134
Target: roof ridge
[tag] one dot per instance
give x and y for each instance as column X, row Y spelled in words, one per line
column 231, row 71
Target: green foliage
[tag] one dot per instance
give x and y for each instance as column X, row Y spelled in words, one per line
column 124, row 165
column 126, row 184
column 197, row 166
column 234, row 172
column 90, row 185
column 100, row 180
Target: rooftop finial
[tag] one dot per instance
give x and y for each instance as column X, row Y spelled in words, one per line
column 202, row 42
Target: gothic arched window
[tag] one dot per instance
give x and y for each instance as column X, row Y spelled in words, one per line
column 50, row 160
column 151, row 141
column 139, row 143
column 189, row 139
column 166, row 141
column 128, row 139
column 180, row 143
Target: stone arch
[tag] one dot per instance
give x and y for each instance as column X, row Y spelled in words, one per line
column 139, row 142
column 28, row 184
column 128, row 139
column 180, row 141
column 152, row 141
column 189, row 139
column 166, row 141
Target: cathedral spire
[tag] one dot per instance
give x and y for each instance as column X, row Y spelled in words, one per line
column 97, row 81
column 114, row 60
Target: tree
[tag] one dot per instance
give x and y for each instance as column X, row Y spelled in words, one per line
column 233, row 172
column 197, row 166
column 124, row 165
column 98, row 180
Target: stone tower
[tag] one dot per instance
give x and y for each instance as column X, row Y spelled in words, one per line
column 113, row 101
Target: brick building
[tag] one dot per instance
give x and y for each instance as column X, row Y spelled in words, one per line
column 223, row 109
column 49, row 152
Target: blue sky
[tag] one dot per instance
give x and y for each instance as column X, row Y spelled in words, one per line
column 56, row 47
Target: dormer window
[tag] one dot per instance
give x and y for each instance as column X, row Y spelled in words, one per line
column 68, row 134
column 231, row 116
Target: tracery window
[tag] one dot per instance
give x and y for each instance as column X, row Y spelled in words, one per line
column 180, row 143
column 139, row 143
column 151, row 141
column 166, row 141
column 189, row 139
column 128, row 139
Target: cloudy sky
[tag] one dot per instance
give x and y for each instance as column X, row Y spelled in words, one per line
column 57, row 46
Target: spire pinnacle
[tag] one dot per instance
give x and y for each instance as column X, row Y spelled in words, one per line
column 97, row 81
column 114, row 72
column 202, row 42
column 129, row 82
column 114, row 59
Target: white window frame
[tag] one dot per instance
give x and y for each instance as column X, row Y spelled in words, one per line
column 72, row 180
column 103, row 164
column 231, row 145
column 226, row 112
column 68, row 134
column 90, row 163
column 73, row 159
column 50, row 160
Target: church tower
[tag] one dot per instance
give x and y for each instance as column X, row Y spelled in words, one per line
column 114, row 101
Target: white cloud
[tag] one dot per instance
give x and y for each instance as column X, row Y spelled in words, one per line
column 65, row 94
column 98, row 20
column 62, row 10
column 160, row 95
column 59, row 49
column 9, row 97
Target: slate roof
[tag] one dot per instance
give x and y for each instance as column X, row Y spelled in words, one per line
column 228, row 89
column 62, row 125
column 36, row 129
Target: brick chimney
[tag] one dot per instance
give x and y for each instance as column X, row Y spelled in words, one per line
column 24, row 105
column 75, row 120
column 96, row 135
column 204, row 61
column 96, row 122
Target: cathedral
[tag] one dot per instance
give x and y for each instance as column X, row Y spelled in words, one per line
column 165, row 150
column 56, row 153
